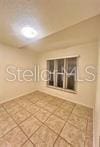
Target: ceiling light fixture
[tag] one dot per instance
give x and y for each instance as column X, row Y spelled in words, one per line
column 28, row 32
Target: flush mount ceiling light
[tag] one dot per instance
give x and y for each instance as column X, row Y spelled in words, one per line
column 28, row 32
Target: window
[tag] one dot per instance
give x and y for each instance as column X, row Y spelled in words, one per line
column 62, row 73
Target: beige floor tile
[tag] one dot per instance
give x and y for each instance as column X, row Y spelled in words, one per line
column 10, row 104
column 30, row 125
column 90, row 118
column 59, row 100
column 41, row 94
column 4, row 143
column 1, row 109
column 73, row 135
column 48, row 100
column 51, row 108
column 89, row 131
column 38, row 95
column 68, row 106
column 23, row 97
column 18, row 100
column 34, row 100
column 37, row 141
column 61, row 143
column 14, row 109
column 79, row 122
column 56, row 102
column 28, row 96
column 49, row 97
column 66, row 102
column 55, row 123
column 62, row 113
column 3, row 114
column 37, row 92
column 28, row 144
column 81, row 111
column 41, row 103
column 89, row 142
column 15, row 138
column 32, row 108
column 42, row 115
column 47, row 135
column 21, row 116
column 6, row 125
column 25, row 103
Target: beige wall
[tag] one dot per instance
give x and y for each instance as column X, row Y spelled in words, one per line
column 86, row 91
column 19, row 58
column 97, row 105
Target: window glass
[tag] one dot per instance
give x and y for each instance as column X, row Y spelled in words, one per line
column 60, row 80
column 60, row 65
column 51, row 65
column 71, row 73
column 51, row 79
column 71, row 82
column 71, row 65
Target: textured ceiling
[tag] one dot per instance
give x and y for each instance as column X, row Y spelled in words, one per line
column 86, row 31
column 46, row 16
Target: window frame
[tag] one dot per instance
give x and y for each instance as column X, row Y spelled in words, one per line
column 64, row 74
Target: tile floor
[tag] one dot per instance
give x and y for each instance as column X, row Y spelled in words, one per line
column 41, row 120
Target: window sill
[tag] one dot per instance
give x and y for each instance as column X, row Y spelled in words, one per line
column 65, row 90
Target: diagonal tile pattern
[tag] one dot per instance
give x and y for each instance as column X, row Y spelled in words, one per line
column 37, row 141
column 47, row 136
column 30, row 125
column 78, row 122
column 14, row 138
column 28, row 144
column 60, row 142
column 42, row 115
column 21, row 116
column 55, row 123
column 42, row 120
column 73, row 135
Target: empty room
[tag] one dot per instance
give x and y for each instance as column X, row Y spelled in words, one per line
column 49, row 73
